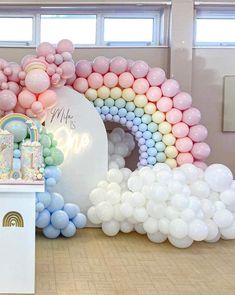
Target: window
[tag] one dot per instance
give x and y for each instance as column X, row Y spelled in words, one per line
column 215, row 28
column 86, row 26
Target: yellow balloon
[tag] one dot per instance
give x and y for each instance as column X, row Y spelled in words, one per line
column 91, row 94
column 158, row 117
column 140, row 100
column 128, row 94
column 164, row 127
column 169, row 139
column 116, row 93
column 171, row 163
column 150, row 108
column 103, row 92
column 171, row 151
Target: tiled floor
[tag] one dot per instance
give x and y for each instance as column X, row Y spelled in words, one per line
column 91, row 263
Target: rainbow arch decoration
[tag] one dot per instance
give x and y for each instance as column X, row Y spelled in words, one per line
column 32, row 128
column 13, row 219
column 160, row 116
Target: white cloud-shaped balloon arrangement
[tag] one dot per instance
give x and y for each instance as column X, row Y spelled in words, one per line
column 183, row 204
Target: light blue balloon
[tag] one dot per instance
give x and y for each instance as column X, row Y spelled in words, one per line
column 105, row 110
column 50, row 182
column 109, row 102
column 161, row 157
column 59, row 219
column 130, row 116
column 146, row 118
column 57, row 202
column 157, row 136
column 113, row 111
column 151, row 160
column 71, row 209
column 43, row 219
column 16, row 164
column 38, row 125
column 18, row 129
column 98, row 109
column 17, row 153
column 122, row 112
column 44, row 198
column 150, row 143
column 130, row 106
column 123, row 121
column 79, row 220
column 108, row 117
column 152, row 152
column 50, row 232
column 138, row 134
column 152, row 127
column 40, row 207
column 116, row 118
column 142, row 127
column 102, row 116
column 54, row 172
column 147, row 135
column 137, row 121
column 120, row 103
column 139, row 112
column 69, row 230
column 36, row 215
column 129, row 124
column 98, row 102
column 160, row 146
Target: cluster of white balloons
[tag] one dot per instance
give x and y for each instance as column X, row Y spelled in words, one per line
column 120, row 146
column 183, row 204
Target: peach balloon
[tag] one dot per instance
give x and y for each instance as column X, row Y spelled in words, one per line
column 48, row 99
column 26, row 98
column 184, row 144
column 170, row 88
column 37, row 107
column 65, row 45
column 118, row 65
column 44, row 49
column 141, row 86
column 154, row 94
column 182, row 101
column 68, row 69
column 30, row 113
column 164, row 104
column 110, row 80
column 191, row 116
column 19, row 109
column 174, row 116
column 126, row 80
column 156, row 76
column 180, row 130
column 15, row 70
column 95, row 80
column 200, row 165
column 101, row 65
column 139, row 69
column 8, row 100
column 71, row 80
column 184, row 158
column 200, row 150
column 81, row 85
column 198, row 133
column 83, row 68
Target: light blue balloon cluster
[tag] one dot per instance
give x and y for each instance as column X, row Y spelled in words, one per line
column 55, row 217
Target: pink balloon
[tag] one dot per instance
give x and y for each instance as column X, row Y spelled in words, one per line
column 184, row 158
column 51, row 69
column 180, row 130
column 101, row 65
column 42, row 116
column 170, row 88
column 48, row 99
column 71, row 80
column 37, row 107
column 50, row 58
column 141, row 86
column 44, row 49
column 3, row 63
column 58, row 59
column 3, row 77
column 126, row 80
column 139, row 69
column 22, row 75
column 37, row 81
column 174, row 116
column 110, row 80
column 118, row 65
column 81, row 85
column 198, row 133
column 95, row 80
column 19, row 109
column 130, row 64
column 192, row 116
column 7, row 71
column 16, row 69
column 154, row 94
column 83, row 68
column 4, row 85
column 65, row 45
column 67, row 56
column 14, row 87
column 26, row 98
column 200, row 150
column 182, row 101
column 30, row 113
column 164, row 104
column 200, row 165
column 156, row 76
column 184, row 144
column 68, row 69
column 8, row 100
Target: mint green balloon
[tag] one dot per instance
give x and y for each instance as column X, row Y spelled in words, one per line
column 161, row 157
column 157, row 136
column 109, row 102
column 18, row 129
column 160, row 146
column 130, row 106
column 152, row 127
column 139, row 112
column 43, row 130
column 54, row 143
column 146, row 119
column 99, row 102
column 120, row 103
column 45, row 140
column 46, row 152
column 16, row 146
column 50, row 135
column 57, row 156
column 49, row 161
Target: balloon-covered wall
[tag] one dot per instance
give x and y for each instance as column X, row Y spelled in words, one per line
column 163, row 200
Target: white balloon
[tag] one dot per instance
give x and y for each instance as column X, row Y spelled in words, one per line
column 135, row 183
column 164, row 176
column 200, row 189
column 161, row 166
column 126, row 227
column 194, row 203
column 187, row 215
column 150, row 225
column 113, row 165
column 113, row 197
column 198, row 230
column 219, row 205
column 104, row 211
column 115, row 137
column 140, row 214
column 157, row 237
column 163, row 225
column 223, row 218
column 98, row 195
column 175, row 186
column 138, row 200
column 190, row 171
column 91, row 214
column 212, row 230
column 103, row 184
column 228, row 197
column 114, row 175
column 156, row 210
column 121, row 149
column 171, row 213
column 114, row 187
column 111, row 228
column 216, row 239
column 126, row 172
column 179, row 175
column 110, row 147
column 179, row 202
column 126, row 210
column 180, row 243
column 208, row 208
column 117, row 215
column 139, row 228
column 158, row 193
column 178, row 228
column 147, row 175
column 219, row 177
column 229, row 232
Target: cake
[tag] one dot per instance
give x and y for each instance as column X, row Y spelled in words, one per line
column 6, row 153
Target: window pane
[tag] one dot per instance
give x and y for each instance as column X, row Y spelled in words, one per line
column 16, row 29
column 81, row 29
column 215, row 30
column 128, row 30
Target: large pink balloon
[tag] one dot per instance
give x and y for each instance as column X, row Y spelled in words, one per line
column 48, row 99
column 200, row 151
column 182, row 101
column 83, row 68
column 95, row 80
column 68, row 69
column 180, row 130
column 101, row 65
column 156, row 76
column 139, row 69
column 174, row 116
column 110, row 80
column 198, row 133
column 37, row 81
column 65, row 45
column 184, row 158
column 8, row 100
column 26, row 98
column 141, row 86
column 118, row 65
column 184, row 144
column 164, row 104
column 81, row 85
column 170, row 88
column 126, row 80
column 192, row 116
column 44, row 49
column 154, row 94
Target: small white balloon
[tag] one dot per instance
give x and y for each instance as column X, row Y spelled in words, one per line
column 111, row 228
column 126, row 210
column 179, row 202
column 135, row 183
column 157, row 237
column 200, row 189
column 229, row 232
column 139, row 228
column 91, row 214
column 198, row 230
column 114, row 175
column 104, row 211
column 163, row 225
column 150, row 225
column 212, row 230
column 98, row 195
column 126, row 227
column 223, row 218
column 140, row 214
column 178, row 228
column 180, row 243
